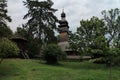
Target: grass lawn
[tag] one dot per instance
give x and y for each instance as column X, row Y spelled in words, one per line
column 18, row 69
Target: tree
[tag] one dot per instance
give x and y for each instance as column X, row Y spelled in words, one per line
column 4, row 18
column 7, row 48
column 42, row 21
column 52, row 53
column 112, row 21
column 5, row 32
column 90, row 37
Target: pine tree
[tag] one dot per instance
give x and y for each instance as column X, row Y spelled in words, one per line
column 42, row 20
column 4, row 18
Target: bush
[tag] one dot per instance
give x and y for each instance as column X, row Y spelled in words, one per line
column 113, row 57
column 8, row 48
column 52, row 53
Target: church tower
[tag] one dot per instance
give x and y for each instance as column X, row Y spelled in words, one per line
column 63, row 29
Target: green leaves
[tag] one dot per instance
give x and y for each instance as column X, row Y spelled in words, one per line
column 3, row 13
column 99, row 37
column 52, row 53
column 5, row 32
column 41, row 17
column 90, row 35
column 112, row 22
column 7, row 48
column 4, row 18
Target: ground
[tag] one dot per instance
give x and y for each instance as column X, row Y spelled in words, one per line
column 20, row 69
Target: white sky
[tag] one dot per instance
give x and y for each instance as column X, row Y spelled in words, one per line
column 75, row 10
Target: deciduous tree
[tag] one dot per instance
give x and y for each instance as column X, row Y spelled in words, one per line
column 112, row 22
column 90, row 37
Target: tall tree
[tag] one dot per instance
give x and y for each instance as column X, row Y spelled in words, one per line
column 90, row 36
column 42, row 20
column 112, row 21
column 4, row 18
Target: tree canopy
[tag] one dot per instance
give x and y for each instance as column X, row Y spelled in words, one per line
column 90, row 36
column 112, row 22
column 42, row 21
column 4, row 18
column 99, row 37
column 40, row 26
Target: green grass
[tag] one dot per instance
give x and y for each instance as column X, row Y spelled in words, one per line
column 17, row 69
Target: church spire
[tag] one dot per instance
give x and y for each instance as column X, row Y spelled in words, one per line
column 63, row 15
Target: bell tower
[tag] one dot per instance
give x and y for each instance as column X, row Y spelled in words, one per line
column 63, row 29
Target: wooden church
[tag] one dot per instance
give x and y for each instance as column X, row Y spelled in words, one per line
column 63, row 29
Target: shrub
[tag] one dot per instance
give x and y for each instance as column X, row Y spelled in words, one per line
column 8, row 48
column 113, row 57
column 52, row 53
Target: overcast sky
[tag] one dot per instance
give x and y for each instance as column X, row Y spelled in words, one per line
column 75, row 10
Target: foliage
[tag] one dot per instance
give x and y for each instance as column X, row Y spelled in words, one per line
column 33, row 48
column 5, row 32
column 99, row 37
column 4, row 18
column 52, row 53
column 40, row 27
column 99, row 48
column 90, row 37
column 112, row 21
column 3, row 13
column 7, row 48
column 113, row 56
column 42, row 21
column 32, row 44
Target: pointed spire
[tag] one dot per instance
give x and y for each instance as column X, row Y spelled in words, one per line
column 63, row 10
column 63, row 15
